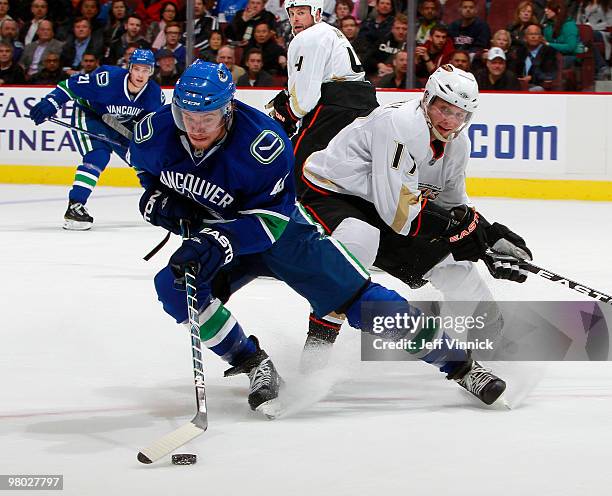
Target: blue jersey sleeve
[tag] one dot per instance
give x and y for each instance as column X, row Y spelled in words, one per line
column 87, row 86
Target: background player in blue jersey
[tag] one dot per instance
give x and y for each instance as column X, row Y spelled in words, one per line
column 227, row 167
column 126, row 95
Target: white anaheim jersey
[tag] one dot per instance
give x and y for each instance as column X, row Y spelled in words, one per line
column 387, row 159
column 319, row 54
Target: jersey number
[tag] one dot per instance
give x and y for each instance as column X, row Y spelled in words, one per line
column 298, row 66
column 353, row 57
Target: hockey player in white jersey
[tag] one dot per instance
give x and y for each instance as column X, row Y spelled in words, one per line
column 327, row 89
column 391, row 188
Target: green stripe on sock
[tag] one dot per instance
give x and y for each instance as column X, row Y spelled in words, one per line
column 274, row 224
column 425, row 335
column 216, row 322
column 85, row 179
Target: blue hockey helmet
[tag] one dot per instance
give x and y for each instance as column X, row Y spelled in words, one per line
column 204, row 87
column 142, row 56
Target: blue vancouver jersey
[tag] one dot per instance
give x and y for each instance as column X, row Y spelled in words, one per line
column 105, row 91
column 244, row 183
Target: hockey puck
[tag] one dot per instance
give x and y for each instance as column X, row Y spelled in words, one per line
column 184, row 459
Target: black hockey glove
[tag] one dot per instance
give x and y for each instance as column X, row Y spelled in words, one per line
column 164, row 208
column 505, row 267
column 467, row 234
column 281, row 112
column 206, row 251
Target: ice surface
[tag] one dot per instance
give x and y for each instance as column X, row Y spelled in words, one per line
column 92, row 371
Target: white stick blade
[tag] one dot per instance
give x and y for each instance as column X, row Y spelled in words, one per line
column 170, row 442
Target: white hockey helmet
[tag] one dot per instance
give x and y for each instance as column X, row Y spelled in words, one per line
column 313, row 4
column 456, row 87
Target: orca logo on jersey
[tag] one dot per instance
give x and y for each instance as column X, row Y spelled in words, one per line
column 267, row 146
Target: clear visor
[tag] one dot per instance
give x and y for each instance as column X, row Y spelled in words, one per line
column 447, row 119
column 199, row 123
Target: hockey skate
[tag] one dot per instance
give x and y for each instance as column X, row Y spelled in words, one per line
column 77, row 217
column 479, row 381
column 264, row 381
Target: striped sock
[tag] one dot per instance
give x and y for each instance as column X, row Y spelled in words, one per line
column 324, row 328
column 223, row 335
column 85, row 180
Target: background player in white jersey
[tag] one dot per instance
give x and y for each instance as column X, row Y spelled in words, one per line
column 327, row 89
column 391, row 188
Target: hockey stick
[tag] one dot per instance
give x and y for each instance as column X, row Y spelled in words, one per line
column 115, row 125
column 551, row 276
column 167, row 444
column 100, row 137
column 564, row 281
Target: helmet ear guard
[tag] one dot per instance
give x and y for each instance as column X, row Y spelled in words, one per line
column 455, row 86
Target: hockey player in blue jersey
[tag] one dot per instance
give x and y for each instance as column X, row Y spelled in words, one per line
column 226, row 168
column 126, row 95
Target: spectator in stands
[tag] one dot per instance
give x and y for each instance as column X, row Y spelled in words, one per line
column 215, row 41
column 52, row 72
column 274, row 57
column 156, row 34
column 496, row 76
column 89, row 63
column 116, row 19
column 397, row 78
column 10, row 72
column 227, row 56
column 598, row 15
column 379, row 26
column 461, row 60
column 469, row 32
column 4, row 8
column 435, row 52
column 380, row 59
column 166, row 73
column 204, row 23
column 133, row 29
column 523, row 17
column 9, row 33
column 342, row 9
column 89, row 9
column 503, row 40
column 561, row 32
column 255, row 74
column 536, row 61
column 350, row 29
column 32, row 56
column 243, row 24
column 429, row 16
column 81, row 40
column 39, row 10
column 124, row 61
column 173, row 35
